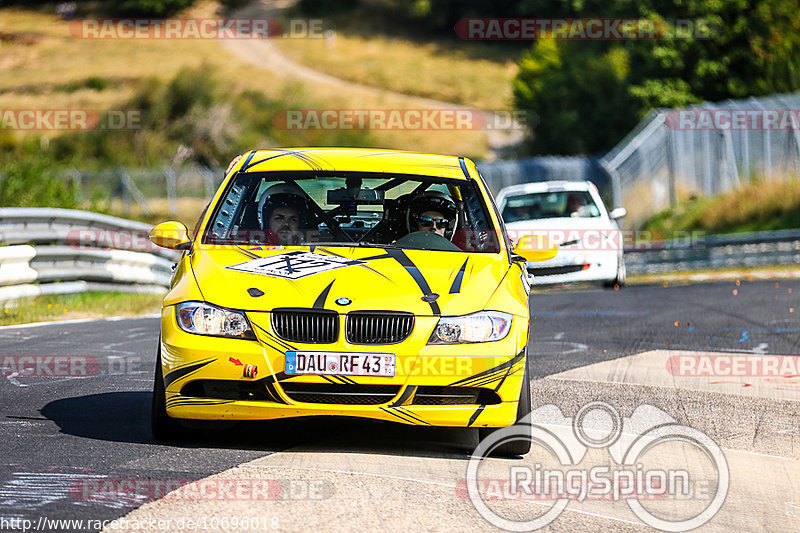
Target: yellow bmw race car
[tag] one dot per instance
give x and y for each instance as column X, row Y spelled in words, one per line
column 361, row 283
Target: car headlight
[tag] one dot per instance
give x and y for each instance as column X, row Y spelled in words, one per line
column 201, row 318
column 484, row 326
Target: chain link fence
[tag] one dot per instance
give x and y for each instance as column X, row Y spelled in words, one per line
column 499, row 174
column 706, row 149
column 146, row 191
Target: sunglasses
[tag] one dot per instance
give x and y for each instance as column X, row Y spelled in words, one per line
column 429, row 221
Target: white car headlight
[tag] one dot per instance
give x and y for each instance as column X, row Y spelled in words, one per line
column 206, row 319
column 484, row 326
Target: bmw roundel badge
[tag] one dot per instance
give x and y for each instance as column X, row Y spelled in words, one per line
column 343, row 301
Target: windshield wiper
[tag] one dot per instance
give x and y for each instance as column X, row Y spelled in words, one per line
column 354, row 244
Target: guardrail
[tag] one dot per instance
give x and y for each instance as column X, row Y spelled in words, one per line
column 62, row 251
column 711, row 252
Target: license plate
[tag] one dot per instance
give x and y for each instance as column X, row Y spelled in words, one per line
column 340, row 363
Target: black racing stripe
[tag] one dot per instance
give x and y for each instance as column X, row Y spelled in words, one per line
column 280, row 376
column 455, row 288
column 482, row 382
column 373, row 257
column 274, row 392
column 475, row 415
column 281, row 343
column 319, row 303
column 246, row 163
column 410, row 390
column 182, row 372
column 306, row 158
column 191, row 401
column 412, row 415
column 463, row 167
column 411, row 268
column 499, row 367
column 347, row 380
column 248, row 253
column 329, row 379
column 376, row 272
column 503, row 380
column 392, row 411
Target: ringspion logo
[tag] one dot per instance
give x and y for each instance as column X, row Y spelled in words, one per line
column 653, row 460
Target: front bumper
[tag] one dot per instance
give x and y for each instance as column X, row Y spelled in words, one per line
column 255, row 371
column 574, row 266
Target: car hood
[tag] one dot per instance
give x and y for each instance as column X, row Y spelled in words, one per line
column 561, row 230
column 347, row 279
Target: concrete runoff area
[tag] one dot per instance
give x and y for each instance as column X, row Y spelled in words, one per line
column 345, row 483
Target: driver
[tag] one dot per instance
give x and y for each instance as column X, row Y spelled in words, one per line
column 433, row 211
column 283, row 213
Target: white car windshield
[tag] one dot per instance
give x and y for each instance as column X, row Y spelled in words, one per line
column 551, row 204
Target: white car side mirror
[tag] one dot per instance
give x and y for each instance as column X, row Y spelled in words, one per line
column 619, row 212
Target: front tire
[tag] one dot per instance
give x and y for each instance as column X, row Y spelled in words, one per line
column 622, row 275
column 516, row 447
column 163, row 427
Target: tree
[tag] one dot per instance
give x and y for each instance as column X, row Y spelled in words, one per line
column 588, row 94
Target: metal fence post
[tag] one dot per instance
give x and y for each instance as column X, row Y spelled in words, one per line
column 172, row 190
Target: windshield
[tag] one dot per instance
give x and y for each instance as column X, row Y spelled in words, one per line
column 554, row 204
column 347, row 209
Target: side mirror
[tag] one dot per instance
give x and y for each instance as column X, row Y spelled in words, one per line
column 617, row 213
column 173, row 235
column 535, row 248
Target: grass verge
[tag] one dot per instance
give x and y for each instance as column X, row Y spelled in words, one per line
column 776, row 272
column 53, row 69
column 84, row 305
column 440, row 70
column 758, row 206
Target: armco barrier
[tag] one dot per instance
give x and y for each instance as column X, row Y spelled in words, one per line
column 60, row 251
column 712, row 252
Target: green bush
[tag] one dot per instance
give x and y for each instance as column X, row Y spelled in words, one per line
column 34, row 182
column 189, row 111
column 152, row 8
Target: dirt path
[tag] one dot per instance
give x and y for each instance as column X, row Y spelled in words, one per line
column 265, row 54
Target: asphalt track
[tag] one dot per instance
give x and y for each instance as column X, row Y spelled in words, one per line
column 67, row 436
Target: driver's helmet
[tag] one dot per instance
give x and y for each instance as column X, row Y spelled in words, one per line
column 283, row 195
column 432, row 201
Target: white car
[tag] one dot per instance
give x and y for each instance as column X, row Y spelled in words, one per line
column 572, row 214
